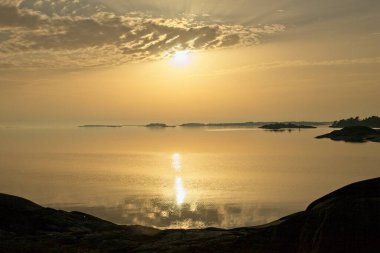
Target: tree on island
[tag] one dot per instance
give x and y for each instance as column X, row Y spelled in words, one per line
column 373, row 121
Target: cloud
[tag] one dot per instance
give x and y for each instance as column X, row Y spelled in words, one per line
column 302, row 63
column 31, row 39
column 296, row 64
column 11, row 16
column 65, row 7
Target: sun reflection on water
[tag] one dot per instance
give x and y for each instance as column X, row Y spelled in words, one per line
column 180, row 191
column 176, row 162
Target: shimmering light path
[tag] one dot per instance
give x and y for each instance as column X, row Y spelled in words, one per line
column 180, row 191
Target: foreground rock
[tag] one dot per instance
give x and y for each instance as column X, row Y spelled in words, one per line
column 344, row 221
column 353, row 134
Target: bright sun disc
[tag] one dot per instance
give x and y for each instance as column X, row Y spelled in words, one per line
column 181, row 58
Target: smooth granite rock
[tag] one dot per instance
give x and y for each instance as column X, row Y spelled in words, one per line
column 353, row 134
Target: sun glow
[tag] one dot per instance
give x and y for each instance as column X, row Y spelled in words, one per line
column 181, row 58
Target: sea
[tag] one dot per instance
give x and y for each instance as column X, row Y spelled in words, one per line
column 179, row 177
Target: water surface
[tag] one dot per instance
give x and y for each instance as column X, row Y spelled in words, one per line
column 177, row 177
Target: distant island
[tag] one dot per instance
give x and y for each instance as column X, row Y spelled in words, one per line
column 193, row 125
column 353, row 134
column 373, row 121
column 301, row 124
column 346, row 220
column 277, row 126
column 158, row 125
column 250, row 124
column 243, row 124
column 101, row 126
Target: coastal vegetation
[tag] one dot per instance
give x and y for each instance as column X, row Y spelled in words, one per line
column 372, row 121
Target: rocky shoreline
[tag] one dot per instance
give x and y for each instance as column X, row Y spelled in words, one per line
column 353, row 134
column 344, row 221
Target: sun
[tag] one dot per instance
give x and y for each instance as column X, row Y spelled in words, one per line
column 181, row 58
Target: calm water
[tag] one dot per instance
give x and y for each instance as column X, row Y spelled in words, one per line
column 184, row 178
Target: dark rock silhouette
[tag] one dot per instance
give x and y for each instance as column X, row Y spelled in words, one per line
column 344, row 221
column 353, row 134
column 277, row 126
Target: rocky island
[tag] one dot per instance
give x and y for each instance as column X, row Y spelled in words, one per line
column 278, row 126
column 353, row 134
column 344, row 221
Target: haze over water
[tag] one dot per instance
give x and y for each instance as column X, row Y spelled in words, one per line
column 179, row 177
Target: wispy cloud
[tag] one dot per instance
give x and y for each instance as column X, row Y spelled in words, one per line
column 29, row 38
column 295, row 64
column 302, row 63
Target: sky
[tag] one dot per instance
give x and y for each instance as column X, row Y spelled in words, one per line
column 116, row 61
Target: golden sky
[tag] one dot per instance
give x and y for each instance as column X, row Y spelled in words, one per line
column 82, row 61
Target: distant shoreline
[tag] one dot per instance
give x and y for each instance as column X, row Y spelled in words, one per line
column 256, row 124
column 292, row 124
column 89, row 126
